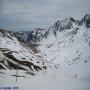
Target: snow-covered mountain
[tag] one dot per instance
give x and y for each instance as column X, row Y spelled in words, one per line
column 14, row 53
column 61, row 53
column 65, row 43
column 31, row 37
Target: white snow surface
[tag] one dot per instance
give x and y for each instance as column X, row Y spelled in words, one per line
column 53, row 79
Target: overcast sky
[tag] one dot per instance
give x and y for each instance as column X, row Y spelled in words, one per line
column 31, row 14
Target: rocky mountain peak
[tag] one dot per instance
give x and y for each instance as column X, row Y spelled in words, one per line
column 67, row 23
column 86, row 20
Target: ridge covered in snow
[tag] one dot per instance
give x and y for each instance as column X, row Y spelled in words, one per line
column 13, row 53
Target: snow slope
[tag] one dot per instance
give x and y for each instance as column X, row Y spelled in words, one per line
column 67, row 46
column 50, row 80
column 70, row 46
column 12, row 51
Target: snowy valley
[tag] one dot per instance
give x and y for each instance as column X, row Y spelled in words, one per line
column 57, row 58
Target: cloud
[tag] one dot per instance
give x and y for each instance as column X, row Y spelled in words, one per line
column 29, row 14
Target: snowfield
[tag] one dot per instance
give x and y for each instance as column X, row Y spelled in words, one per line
column 53, row 79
